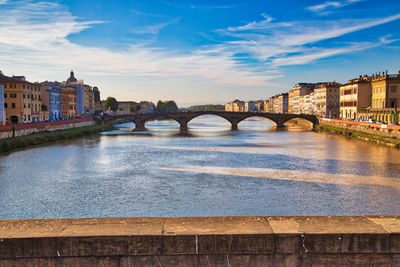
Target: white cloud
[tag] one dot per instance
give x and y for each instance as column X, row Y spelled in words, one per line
column 154, row 29
column 34, row 40
column 276, row 42
column 36, row 34
column 331, row 4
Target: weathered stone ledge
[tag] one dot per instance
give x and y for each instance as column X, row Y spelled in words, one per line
column 198, row 241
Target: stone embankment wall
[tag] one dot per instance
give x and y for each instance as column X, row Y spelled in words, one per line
column 202, row 241
column 392, row 131
column 7, row 131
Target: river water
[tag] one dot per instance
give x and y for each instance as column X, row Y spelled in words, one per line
column 211, row 172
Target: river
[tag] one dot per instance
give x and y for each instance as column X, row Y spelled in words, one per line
column 212, row 171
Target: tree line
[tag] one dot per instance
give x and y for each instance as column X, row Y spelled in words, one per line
column 162, row 106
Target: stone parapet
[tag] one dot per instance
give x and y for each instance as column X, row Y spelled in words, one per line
column 202, row 241
column 383, row 130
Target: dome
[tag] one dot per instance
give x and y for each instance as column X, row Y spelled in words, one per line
column 71, row 78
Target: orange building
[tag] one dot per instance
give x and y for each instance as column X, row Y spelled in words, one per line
column 68, row 100
column 18, row 95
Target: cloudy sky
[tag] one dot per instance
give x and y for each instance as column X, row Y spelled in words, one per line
column 198, row 51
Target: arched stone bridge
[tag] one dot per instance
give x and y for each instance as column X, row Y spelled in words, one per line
column 183, row 118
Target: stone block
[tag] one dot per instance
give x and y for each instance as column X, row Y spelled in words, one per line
column 180, row 244
column 285, row 243
column 395, row 260
column 357, row 243
column 144, row 245
column 324, row 225
column 235, row 244
column 346, row 260
column 102, row 246
column 216, row 225
column 395, row 243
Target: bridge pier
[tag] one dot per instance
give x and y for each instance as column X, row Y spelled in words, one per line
column 139, row 125
column 234, row 126
column 183, row 126
column 279, row 123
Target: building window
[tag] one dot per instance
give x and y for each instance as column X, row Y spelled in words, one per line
column 29, row 117
column 5, row 105
column 24, row 105
column 393, row 89
column 13, row 105
column 5, row 95
column 23, row 96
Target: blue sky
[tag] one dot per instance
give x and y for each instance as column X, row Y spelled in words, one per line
column 198, row 51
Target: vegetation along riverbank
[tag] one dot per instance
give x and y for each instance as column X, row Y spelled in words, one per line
column 360, row 135
column 10, row 144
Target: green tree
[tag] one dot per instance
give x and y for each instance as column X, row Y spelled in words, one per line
column 111, row 103
column 135, row 108
column 96, row 94
column 167, row 106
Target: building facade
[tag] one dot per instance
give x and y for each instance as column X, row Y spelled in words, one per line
column 385, row 97
column 147, row 107
column 51, row 94
column 126, row 107
column 281, row 103
column 355, row 98
column 2, row 110
column 250, row 106
column 68, row 99
column 89, row 103
column 17, row 98
column 327, row 100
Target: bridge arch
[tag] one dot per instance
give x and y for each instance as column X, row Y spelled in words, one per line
column 209, row 113
column 312, row 119
column 260, row 115
column 140, row 123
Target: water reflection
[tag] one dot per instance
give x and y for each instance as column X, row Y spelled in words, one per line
column 210, row 171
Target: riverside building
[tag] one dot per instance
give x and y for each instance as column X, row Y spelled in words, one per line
column 51, row 94
column 385, row 97
column 17, row 98
column 300, row 89
column 327, row 100
column 355, row 98
column 2, row 111
column 68, row 99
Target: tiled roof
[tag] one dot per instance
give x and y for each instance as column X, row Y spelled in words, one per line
column 6, row 79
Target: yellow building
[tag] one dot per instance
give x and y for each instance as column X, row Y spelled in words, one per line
column 36, row 103
column 355, row 98
column 18, row 95
column 385, row 97
column 126, row 107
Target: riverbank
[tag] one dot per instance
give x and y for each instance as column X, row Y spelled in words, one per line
column 393, row 142
column 11, row 144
